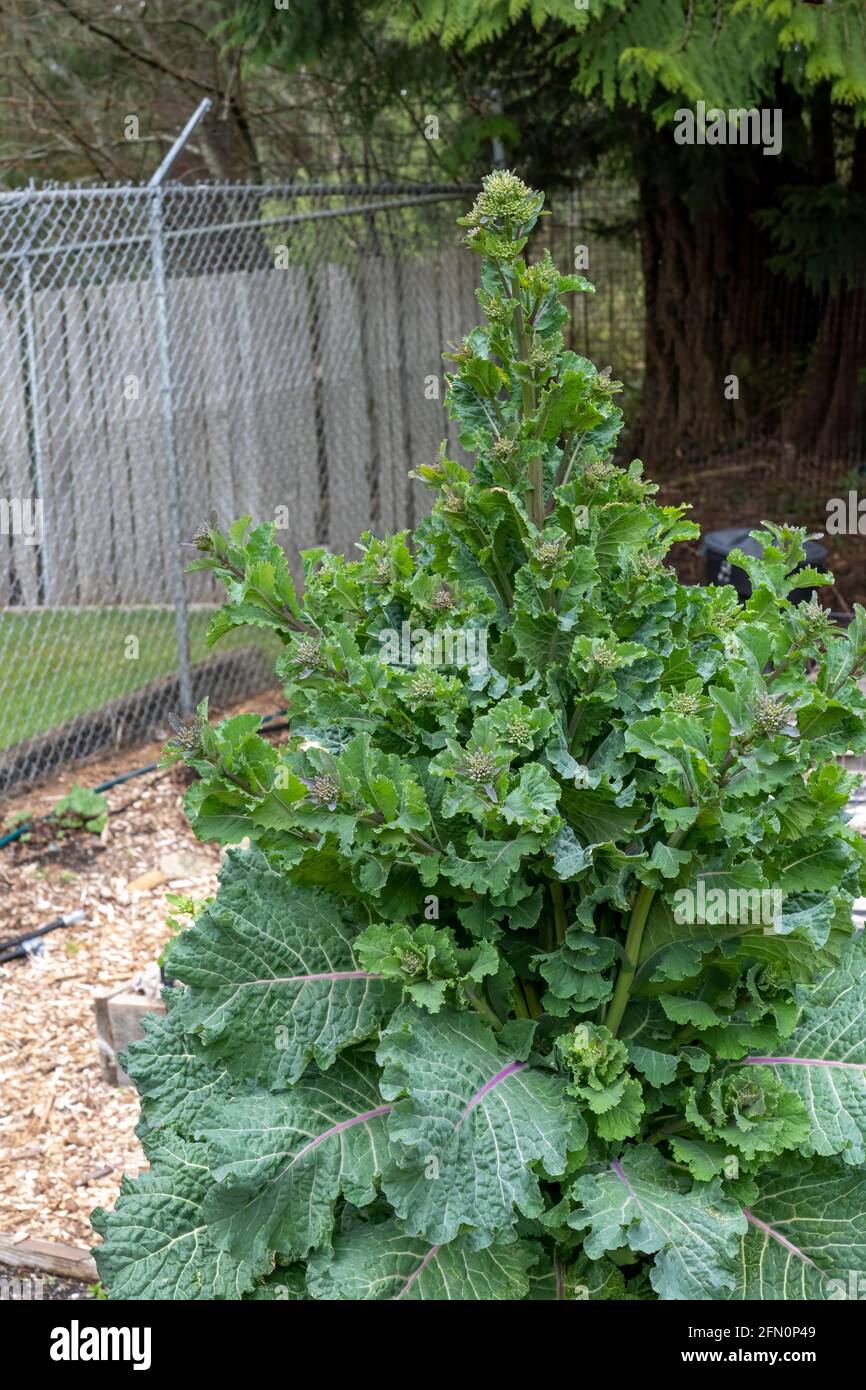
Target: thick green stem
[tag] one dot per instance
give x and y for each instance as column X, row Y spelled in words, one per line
column 532, row 1000
column 534, row 500
column 521, row 1008
column 526, row 1003
column 560, row 916
column 634, row 937
column 628, row 969
column 535, row 503
column 482, row 1007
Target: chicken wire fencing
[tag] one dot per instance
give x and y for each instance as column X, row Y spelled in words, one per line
column 172, row 353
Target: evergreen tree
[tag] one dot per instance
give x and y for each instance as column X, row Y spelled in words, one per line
column 750, row 260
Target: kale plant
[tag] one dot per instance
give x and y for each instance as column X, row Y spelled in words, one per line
column 535, row 976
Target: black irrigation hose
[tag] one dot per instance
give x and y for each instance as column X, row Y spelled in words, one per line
column 17, row 953
column 69, row 919
column 105, row 786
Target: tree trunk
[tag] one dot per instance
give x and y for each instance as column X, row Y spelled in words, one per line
column 827, row 419
column 828, row 416
column 723, row 337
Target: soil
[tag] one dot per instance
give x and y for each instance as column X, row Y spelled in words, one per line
column 66, row 1136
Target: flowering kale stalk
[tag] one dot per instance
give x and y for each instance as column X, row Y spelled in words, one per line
column 487, row 1005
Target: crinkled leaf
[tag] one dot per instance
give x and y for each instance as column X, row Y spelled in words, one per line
column 383, row 1262
column 824, row 1060
column 641, row 1201
column 468, row 1122
column 157, row 1239
column 806, row 1235
column 282, row 1160
column 274, row 980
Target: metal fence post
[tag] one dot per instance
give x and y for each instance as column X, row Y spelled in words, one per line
column 35, row 421
column 184, row 669
column 170, row 445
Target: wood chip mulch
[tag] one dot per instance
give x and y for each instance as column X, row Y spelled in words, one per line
column 67, row 1137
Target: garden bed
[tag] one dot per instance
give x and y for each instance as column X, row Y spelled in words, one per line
column 66, row 1137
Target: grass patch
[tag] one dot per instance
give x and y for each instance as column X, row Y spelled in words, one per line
column 56, row 663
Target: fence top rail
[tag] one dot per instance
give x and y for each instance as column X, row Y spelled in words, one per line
column 178, row 233
column 12, row 198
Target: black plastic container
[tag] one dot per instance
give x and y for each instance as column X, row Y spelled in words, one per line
column 717, row 546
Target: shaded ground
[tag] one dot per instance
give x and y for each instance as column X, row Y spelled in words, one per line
column 733, row 490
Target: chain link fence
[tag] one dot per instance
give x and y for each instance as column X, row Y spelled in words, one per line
column 172, row 352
